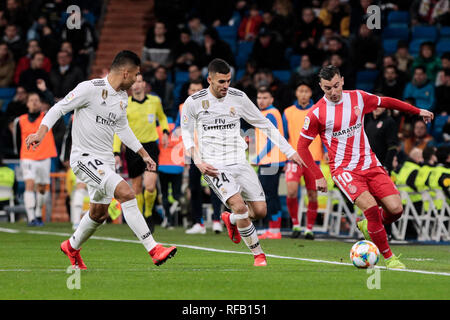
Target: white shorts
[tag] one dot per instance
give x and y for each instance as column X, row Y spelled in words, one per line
column 236, row 178
column 100, row 177
column 37, row 170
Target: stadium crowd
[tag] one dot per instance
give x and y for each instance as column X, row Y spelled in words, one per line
column 278, row 44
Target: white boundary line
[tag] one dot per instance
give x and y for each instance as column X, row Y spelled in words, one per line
column 7, row 230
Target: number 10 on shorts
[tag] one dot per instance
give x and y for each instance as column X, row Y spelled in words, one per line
column 344, row 178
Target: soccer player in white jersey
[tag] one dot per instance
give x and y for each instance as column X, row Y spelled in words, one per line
column 339, row 119
column 99, row 107
column 215, row 114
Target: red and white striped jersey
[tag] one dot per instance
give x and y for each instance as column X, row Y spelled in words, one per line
column 341, row 127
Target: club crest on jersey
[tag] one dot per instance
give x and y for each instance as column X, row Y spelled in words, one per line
column 205, row 104
column 352, row 189
column 104, row 94
column 232, row 111
column 306, row 123
column 357, row 110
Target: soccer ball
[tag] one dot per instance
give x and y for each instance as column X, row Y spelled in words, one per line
column 364, row 254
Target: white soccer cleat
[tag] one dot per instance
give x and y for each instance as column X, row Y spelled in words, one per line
column 217, row 227
column 196, row 229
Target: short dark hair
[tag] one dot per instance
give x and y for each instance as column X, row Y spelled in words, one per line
column 328, row 72
column 446, row 55
column 125, row 57
column 264, row 89
column 421, row 68
column 428, row 152
column 196, row 81
column 303, row 83
column 218, row 66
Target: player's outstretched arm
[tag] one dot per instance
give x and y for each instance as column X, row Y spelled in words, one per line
column 35, row 139
column 149, row 162
column 205, row 168
column 392, row 103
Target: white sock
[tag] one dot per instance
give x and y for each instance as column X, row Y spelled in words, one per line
column 233, row 219
column 137, row 223
column 250, row 238
column 85, row 230
column 29, row 199
column 77, row 205
column 40, row 201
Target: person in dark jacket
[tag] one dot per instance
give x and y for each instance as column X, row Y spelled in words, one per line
column 65, row 76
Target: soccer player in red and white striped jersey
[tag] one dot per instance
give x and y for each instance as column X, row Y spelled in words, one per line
column 339, row 120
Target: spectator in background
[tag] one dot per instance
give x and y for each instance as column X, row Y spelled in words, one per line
column 24, row 62
column 164, row 89
column 308, row 28
column 186, row 51
column 336, row 45
column 365, row 49
column 50, row 43
column 65, row 75
column 305, row 72
column 7, row 65
column 428, row 11
column 443, row 95
column 214, row 47
column 273, row 23
column 16, row 14
column 195, row 74
column 381, row 130
column 157, row 48
column 347, row 71
column 14, row 41
column 249, row 26
column 267, row 52
column 445, row 63
column 18, row 105
column 390, row 84
column 283, row 10
column 420, row 138
column 421, row 89
column 84, row 42
column 282, row 94
column 428, row 59
column 246, row 82
column 359, row 15
column 29, row 77
column 335, row 15
column 404, row 59
column 36, row 30
column 197, row 29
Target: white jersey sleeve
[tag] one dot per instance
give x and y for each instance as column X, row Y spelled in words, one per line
column 253, row 116
column 77, row 98
column 126, row 135
column 188, row 120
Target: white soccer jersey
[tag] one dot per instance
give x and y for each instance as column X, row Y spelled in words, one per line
column 99, row 112
column 217, row 124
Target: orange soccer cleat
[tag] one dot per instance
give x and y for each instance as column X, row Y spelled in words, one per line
column 233, row 231
column 161, row 254
column 260, row 260
column 270, row 235
column 73, row 255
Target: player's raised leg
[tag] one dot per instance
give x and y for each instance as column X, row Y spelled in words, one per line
column 240, row 220
column 125, row 195
column 367, row 203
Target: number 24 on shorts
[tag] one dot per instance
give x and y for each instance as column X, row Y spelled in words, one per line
column 217, row 182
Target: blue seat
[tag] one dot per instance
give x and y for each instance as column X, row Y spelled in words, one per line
column 425, row 33
column 390, row 46
column 244, row 49
column 365, row 79
column 227, row 32
column 398, row 18
column 443, row 46
column 444, row 33
column 396, row 33
column 414, row 46
column 6, row 95
column 294, row 60
column 232, row 43
column 181, row 77
column 239, row 74
column 282, row 75
column 438, row 127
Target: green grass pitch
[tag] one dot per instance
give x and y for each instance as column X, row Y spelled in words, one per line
column 208, row 267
